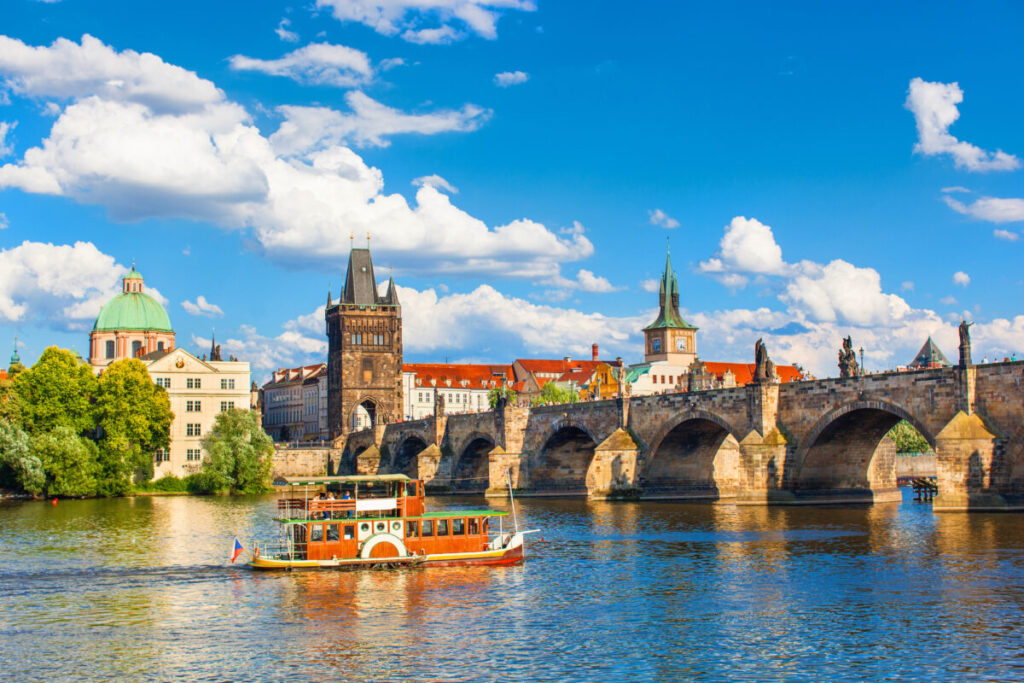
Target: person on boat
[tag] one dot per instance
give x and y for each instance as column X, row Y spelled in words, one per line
column 329, row 514
column 345, row 496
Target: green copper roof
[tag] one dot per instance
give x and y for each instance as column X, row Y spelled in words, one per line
column 668, row 299
column 133, row 274
column 635, row 372
column 133, row 311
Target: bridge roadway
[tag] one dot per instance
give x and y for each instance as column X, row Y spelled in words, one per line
column 818, row 441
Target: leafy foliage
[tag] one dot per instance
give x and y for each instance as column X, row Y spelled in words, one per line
column 497, row 393
column 238, row 454
column 18, row 466
column 165, row 484
column 70, row 462
column 12, row 406
column 552, row 394
column 57, row 392
column 908, row 439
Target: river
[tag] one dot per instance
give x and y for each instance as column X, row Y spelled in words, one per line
column 140, row 589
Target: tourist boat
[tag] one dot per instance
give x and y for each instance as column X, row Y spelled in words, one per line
column 380, row 521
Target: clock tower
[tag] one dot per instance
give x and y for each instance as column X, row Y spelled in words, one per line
column 670, row 338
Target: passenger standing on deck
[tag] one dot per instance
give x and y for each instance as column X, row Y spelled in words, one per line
column 345, row 496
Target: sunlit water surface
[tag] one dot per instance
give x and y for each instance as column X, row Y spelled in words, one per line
column 140, row 589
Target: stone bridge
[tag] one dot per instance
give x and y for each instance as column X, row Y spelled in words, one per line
column 819, row 441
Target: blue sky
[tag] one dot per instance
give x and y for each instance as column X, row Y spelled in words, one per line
column 819, row 172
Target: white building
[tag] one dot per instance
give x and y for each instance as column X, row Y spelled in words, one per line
column 465, row 387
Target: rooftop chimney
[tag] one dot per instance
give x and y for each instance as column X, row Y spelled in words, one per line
column 593, row 350
column 566, row 359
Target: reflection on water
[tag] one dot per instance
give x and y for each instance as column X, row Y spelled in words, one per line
column 140, row 589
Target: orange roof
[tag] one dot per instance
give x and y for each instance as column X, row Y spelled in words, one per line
column 3, row 374
column 455, row 374
column 745, row 371
column 561, row 365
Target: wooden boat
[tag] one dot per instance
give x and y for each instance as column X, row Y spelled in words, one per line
column 380, row 521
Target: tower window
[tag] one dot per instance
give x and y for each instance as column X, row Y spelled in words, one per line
column 367, row 370
column 136, row 348
column 655, row 344
column 110, row 349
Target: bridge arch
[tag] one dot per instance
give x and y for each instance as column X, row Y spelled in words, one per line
column 563, row 461
column 693, row 455
column 405, row 460
column 472, row 466
column 845, row 452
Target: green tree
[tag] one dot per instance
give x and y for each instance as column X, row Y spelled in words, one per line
column 134, row 416
column 552, row 394
column 19, row 468
column 57, row 391
column 497, row 393
column 239, row 454
column 908, row 439
column 69, row 461
column 11, row 405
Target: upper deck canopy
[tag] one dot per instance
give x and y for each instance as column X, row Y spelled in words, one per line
column 353, row 479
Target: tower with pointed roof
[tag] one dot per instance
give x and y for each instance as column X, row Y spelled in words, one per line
column 670, row 338
column 364, row 350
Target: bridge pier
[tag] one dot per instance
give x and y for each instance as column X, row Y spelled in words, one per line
column 502, row 466
column 762, row 467
column 968, row 463
column 612, row 472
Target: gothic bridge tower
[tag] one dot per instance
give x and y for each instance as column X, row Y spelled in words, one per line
column 364, row 351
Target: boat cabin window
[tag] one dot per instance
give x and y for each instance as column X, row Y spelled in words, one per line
column 410, row 489
column 350, row 532
column 442, row 527
column 474, row 526
column 316, row 533
column 458, row 527
column 410, row 528
column 364, row 527
column 332, row 532
column 380, row 527
column 484, row 530
column 428, row 527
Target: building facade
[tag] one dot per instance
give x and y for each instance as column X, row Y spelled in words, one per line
column 295, row 404
column 464, row 387
column 130, row 325
column 364, row 351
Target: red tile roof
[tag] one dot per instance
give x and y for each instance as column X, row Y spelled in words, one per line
column 454, row 374
column 745, row 372
column 3, row 374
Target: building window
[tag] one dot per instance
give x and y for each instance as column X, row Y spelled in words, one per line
column 227, row 384
column 193, row 383
column 164, row 382
column 110, row 349
column 225, row 405
column 193, row 406
column 194, row 454
column 193, row 429
column 367, row 370
column 136, row 349
column 161, row 456
column 159, row 346
column 655, row 344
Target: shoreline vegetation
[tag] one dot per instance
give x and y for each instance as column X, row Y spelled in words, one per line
column 65, row 433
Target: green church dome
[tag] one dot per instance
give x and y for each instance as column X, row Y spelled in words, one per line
column 133, row 311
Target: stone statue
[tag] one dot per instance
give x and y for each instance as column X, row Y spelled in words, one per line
column 439, row 407
column 965, row 344
column 761, row 362
column 848, row 360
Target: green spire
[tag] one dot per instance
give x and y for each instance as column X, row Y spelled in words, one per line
column 15, row 358
column 668, row 300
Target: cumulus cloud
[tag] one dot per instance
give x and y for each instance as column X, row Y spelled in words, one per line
column 961, row 278
column 506, row 79
column 991, row 209
column 662, row 219
column 1005, row 235
column 6, row 147
column 435, row 181
column 948, row 300
column 284, row 33
column 141, row 153
column 202, row 307
column 907, row 286
column 426, row 21
column 748, row 247
column 934, row 106
column 367, row 124
column 314, row 64
column 651, row 285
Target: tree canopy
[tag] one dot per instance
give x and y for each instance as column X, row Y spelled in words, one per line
column 69, row 460
column 908, row 439
column 552, row 394
column 19, row 468
column 238, row 452
column 497, row 393
column 57, row 391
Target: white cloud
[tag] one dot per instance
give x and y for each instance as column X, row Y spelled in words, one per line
column 651, row 285
column 390, row 63
column 992, row 209
column 435, row 181
column 907, row 286
column 586, row 281
column 955, row 188
column 202, row 307
column 367, row 125
column 4, row 223
column 842, row 292
column 662, row 219
column 426, row 21
column 748, row 246
column 961, row 278
column 297, row 194
column 266, row 354
column 934, row 108
column 1005, row 235
column 314, row 64
column 506, row 79
column 948, row 300
column 284, row 33
column 6, row 147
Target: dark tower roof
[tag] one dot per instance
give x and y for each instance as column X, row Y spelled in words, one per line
column 929, row 357
column 668, row 300
column 360, row 284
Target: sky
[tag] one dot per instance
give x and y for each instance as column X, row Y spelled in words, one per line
column 520, row 167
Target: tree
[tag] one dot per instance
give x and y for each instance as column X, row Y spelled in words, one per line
column 69, row 461
column 239, row 454
column 11, row 405
column 551, row 394
column 134, row 416
column 908, row 439
column 19, row 468
column 57, row 391
column 497, row 393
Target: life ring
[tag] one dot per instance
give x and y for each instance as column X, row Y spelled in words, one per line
column 366, row 551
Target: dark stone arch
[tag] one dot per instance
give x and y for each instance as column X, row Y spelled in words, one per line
column 563, row 461
column 695, row 455
column 405, row 460
column 847, row 456
column 472, row 468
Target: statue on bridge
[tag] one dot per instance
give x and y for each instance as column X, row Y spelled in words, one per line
column 965, row 344
column 848, row 360
column 764, row 368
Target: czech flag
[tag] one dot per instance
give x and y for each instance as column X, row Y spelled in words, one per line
column 237, row 550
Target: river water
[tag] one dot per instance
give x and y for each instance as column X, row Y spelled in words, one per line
column 140, row 589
